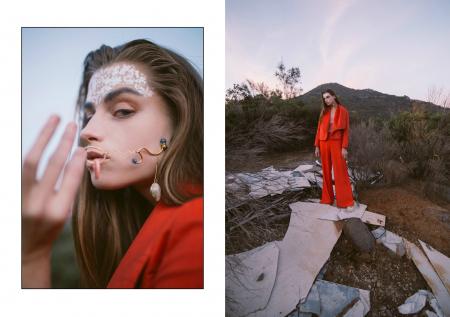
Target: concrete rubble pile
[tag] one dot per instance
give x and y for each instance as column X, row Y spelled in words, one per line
column 276, row 278
column 270, row 181
column 281, row 278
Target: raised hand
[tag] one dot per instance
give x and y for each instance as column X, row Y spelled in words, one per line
column 44, row 208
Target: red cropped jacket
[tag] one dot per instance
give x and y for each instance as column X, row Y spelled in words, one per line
column 339, row 128
column 168, row 250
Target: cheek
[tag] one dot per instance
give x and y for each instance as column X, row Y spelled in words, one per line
column 124, row 173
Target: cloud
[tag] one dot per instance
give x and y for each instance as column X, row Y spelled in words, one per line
column 338, row 9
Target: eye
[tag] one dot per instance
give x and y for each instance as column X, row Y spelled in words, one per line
column 86, row 118
column 123, row 113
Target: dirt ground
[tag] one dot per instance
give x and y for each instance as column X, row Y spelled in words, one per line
column 390, row 278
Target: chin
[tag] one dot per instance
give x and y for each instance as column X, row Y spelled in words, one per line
column 103, row 183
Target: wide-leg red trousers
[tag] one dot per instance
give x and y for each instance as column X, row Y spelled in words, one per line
column 331, row 156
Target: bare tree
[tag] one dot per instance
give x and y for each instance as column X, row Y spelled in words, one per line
column 290, row 80
column 260, row 88
column 438, row 96
column 238, row 92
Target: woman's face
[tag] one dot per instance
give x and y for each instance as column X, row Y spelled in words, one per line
column 328, row 98
column 122, row 115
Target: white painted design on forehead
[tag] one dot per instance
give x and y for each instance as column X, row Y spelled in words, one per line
column 105, row 79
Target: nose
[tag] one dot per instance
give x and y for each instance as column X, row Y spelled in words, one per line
column 91, row 132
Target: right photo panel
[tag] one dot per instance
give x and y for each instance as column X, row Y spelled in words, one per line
column 337, row 176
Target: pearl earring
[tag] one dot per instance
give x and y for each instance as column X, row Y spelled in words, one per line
column 155, row 189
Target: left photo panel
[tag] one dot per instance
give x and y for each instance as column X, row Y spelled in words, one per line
column 112, row 158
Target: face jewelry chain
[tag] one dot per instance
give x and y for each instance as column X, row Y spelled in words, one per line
column 155, row 189
column 101, row 156
column 138, row 159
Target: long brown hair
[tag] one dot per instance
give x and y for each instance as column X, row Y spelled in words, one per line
column 324, row 105
column 105, row 222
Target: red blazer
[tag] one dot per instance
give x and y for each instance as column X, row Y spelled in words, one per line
column 167, row 252
column 339, row 128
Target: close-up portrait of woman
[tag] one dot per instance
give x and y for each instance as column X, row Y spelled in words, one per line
column 125, row 178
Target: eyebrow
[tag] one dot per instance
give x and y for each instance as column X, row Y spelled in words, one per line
column 116, row 93
column 113, row 95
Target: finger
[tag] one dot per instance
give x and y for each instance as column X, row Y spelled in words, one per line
column 33, row 157
column 58, row 159
column 70, row 183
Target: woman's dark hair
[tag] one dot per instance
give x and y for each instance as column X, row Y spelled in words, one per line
column 106, row 222
column 325, row 107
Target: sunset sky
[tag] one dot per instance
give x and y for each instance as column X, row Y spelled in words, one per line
column 395, row 47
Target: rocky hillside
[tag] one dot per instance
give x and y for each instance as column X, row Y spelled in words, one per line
column 366, row 102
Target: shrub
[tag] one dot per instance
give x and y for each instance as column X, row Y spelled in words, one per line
column 423, row 141
column 258, row 126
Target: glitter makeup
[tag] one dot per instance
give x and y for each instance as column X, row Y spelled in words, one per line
column 105, row 79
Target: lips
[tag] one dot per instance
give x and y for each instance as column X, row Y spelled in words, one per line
column 94, row 152
column 91, row 155
column 95, row 158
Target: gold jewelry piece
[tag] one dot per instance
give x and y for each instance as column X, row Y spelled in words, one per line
column 155, row 189
column 139, row 158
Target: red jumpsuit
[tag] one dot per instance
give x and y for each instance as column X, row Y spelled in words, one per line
column 330, row 144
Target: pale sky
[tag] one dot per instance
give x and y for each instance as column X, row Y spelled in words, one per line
column 52, row 60
column 395, row 47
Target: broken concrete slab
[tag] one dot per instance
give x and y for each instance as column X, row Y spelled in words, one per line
column 417, row 301
column 328, row 299
column 440, row 263
column 250, row 277
column 361, row 308
column 341, row 300
column 314, row 178
column 373, row 218
column 303, row 251
column 328, row 212
column 390, row 240
column 357, row 212
column 311, row 305
column 437, row 309
column 318, row 210
column 414, row 303
column 430, row 276
column 305, row 248
column 307, row 167
column 431, row 314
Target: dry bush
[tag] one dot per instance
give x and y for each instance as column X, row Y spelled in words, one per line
column 437, row 185
column 371, row 151
column 394, row 172
column 424, row 144
column 253, row 222
column 278, row 133
column 411, row 144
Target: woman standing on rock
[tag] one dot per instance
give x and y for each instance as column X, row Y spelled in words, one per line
column 331, row 145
